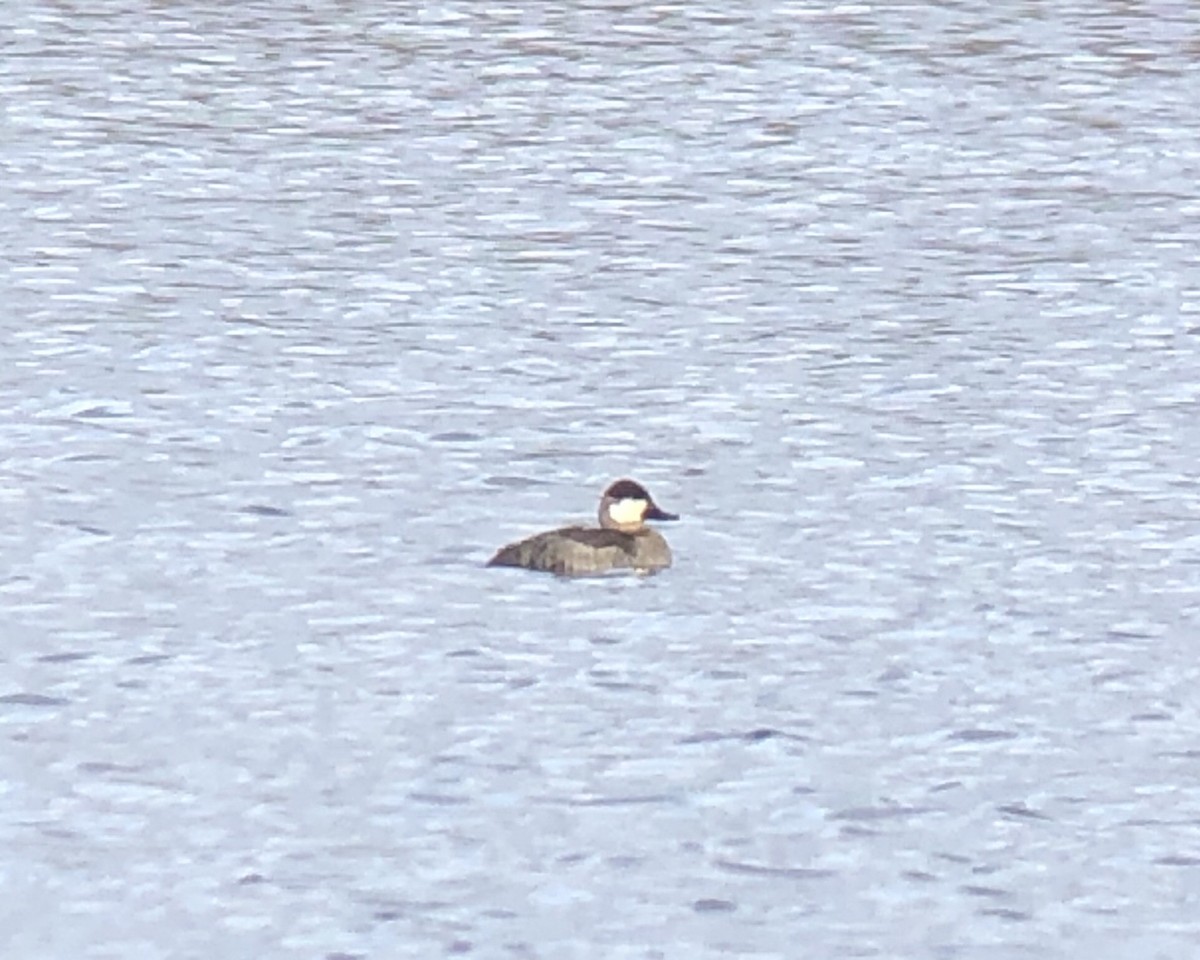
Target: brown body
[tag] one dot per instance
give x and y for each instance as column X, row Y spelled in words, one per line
column 579, row 551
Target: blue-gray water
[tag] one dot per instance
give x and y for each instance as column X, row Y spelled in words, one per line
column 306, row 308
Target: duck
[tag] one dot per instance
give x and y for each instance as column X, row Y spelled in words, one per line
column 621, row 542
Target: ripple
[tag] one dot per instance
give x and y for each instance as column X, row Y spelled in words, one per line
column 32, row 700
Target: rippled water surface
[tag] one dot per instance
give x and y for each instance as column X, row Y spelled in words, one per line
column 309, row 307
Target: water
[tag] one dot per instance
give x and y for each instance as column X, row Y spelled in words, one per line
column 308, row 308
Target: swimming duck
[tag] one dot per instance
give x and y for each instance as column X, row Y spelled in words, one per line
column 622, row 541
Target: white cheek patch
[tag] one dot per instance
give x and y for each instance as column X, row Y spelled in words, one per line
column 627, row 511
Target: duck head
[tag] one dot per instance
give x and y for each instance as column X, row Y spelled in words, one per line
column 626, row 506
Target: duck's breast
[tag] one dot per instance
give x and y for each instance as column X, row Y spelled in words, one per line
column 652, row 552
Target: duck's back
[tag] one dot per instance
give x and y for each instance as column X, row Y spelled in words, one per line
column 578, row 551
